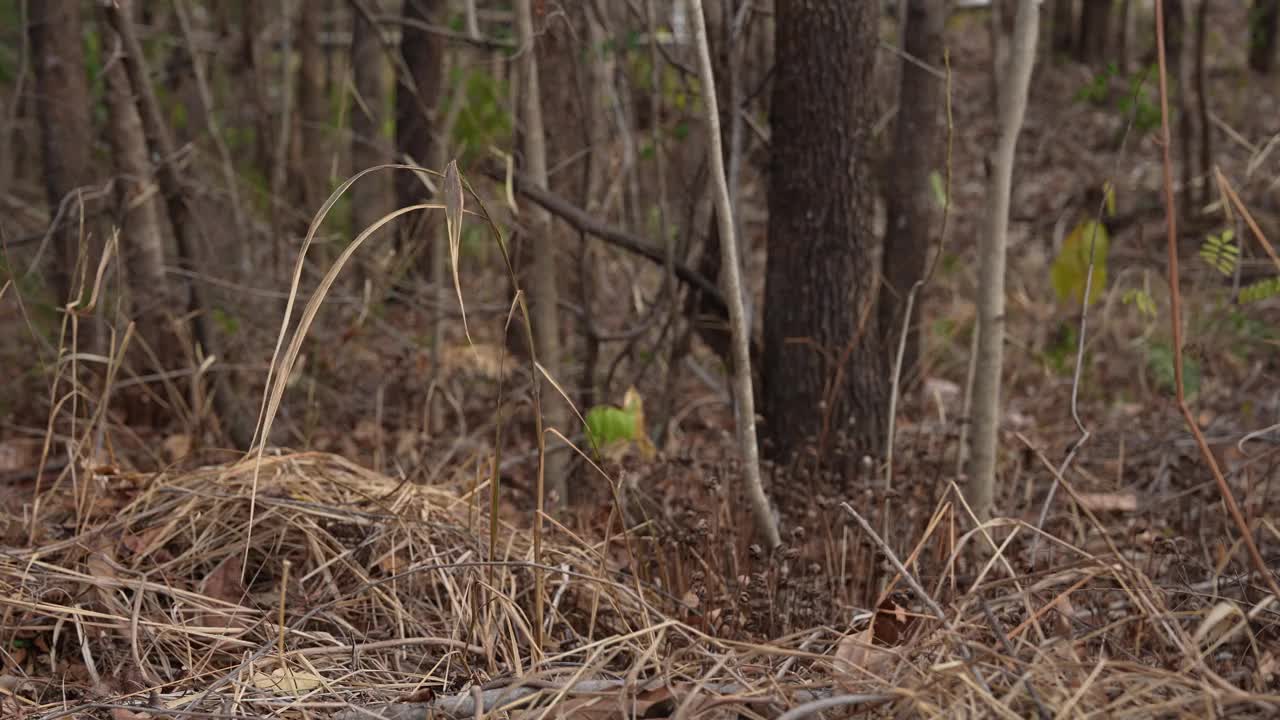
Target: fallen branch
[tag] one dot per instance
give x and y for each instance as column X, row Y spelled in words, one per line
column 583, row 222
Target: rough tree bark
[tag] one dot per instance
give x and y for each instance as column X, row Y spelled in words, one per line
column 311, row 159
column 1264, row 20
column 237, row 423
column 142, row 229
column 823, row 366
column 917, row 148
column 371, row 198
column 546, row 292
column 416, row 98
column 1095, row 29
column 62, row 106
column 1064, row 25
column 991, row 250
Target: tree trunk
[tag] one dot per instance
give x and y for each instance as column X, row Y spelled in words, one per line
column 416, row 97
column 992, row 251
column 823, row 368
column 546, row 291
column 371, row 198
column 1124, row 36
column 1095, row 28
column 1064, row 23
column 1264, row 19
column 1202, row 106
column 238, row 425
column 312, row 151
column 744, row 400
column 62, row 107
column 917, row 151
column 141, row 226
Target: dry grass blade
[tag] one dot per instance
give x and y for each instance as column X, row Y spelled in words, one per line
column 453, row 207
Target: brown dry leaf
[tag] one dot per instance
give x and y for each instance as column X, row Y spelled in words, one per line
column 224, row 583
column 859, row 651
column 148, row 542
column 1109, row 502
column 485, row 359
column 892, row 621
column 290, row 681
column 123, row 714
column 11, row 708
column 177, row 447
column 1215, row 627
column 366, row 431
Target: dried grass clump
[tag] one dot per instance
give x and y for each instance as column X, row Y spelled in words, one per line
column 390, row 606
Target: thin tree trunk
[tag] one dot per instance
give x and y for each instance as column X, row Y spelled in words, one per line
column 1122, row 44
column 1064, row 25
column 141, row 227
column 744, row 399
column 917, row 147
column 371, row 198
column 1264, row 20
column 1202, row 105
column 237, row 424
column 62, row 107
column 1095, row 28
column 416, row 98
column 546, row 291
column 311, row 150
column 992, row 251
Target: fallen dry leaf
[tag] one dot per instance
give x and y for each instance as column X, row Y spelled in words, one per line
column 859, row 651
column 1109, row 502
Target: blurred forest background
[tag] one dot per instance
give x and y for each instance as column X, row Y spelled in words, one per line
column 164, row 165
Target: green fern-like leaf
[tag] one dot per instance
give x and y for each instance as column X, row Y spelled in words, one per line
column 1259, row 291
column 1221, row 252
column 1142, row 300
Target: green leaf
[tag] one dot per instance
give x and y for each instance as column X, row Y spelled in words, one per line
column 1220, row 252
column 1160, row 361
column 939, row 187
column 614, row 430
column 1070, row 271
column 1259, row 291
column 1142, row 299
column 607, row 424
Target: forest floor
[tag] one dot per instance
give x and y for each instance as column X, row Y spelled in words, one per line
column 156, row 576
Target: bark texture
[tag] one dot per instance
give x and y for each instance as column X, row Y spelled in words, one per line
column 823, row 366
column 918, row 150
column 62, row 106
column 141, row 224
column 312, row 159
column 1064, row 25
column 992, row 249
column 1264, row 20
column 1095, row 29
column 371, row 198
column 416, row 98
column 546, row 290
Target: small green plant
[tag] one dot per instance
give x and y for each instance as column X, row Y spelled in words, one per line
column 1142, row 300
column 614, row 430
column 1160, row 362
column 1259, row 291
column 483, row 120
column 1221, row 252
column 1139, row 101
column 1070, row 271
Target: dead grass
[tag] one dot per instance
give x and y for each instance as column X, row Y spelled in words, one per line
column 360, row 593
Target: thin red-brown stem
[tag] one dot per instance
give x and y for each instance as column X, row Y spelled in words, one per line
column 1175, row 314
